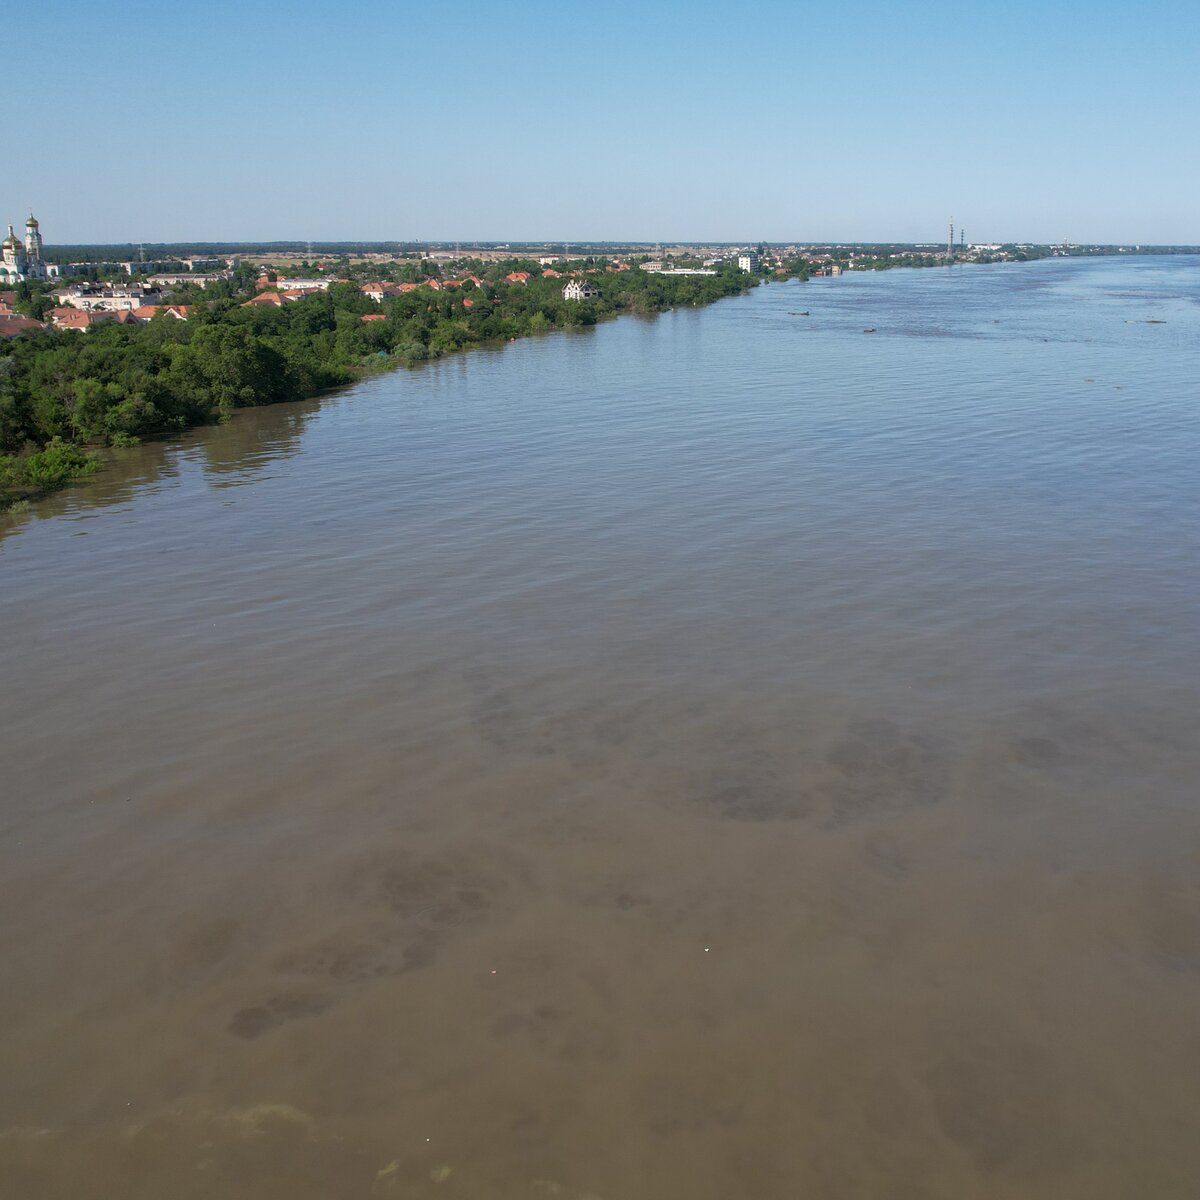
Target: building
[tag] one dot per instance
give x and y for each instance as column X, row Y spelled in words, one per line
column 97, row 297
column 175, row 278
column 320, row 284
column 19, row 261
column 580, row 289
column 379, row 292
column 83, row 319
column 13, row 324
column 180, row 312
column 748, row 261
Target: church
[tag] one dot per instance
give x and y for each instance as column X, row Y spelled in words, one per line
column 19, row 262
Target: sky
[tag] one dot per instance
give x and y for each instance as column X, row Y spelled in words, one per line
column 531, row 120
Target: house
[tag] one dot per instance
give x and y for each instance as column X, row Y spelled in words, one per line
column 13, row 325
column 580, row 290
column 265, row 300
column 379, row 292
column 373, row 317
column 148, row 312
column 84, row 318
column 551, row 273
column 517, row 277
column 279, row 299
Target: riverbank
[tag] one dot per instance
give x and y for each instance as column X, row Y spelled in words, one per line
column 65, row 394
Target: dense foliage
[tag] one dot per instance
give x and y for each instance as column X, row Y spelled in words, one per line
column 114, row 384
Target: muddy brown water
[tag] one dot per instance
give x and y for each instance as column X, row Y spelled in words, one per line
column 707, row 757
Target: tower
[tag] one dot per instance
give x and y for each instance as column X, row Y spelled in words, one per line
column 950, row 239
column 33, row 241
column 13, row 256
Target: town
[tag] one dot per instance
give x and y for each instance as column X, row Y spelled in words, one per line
column 41, row 289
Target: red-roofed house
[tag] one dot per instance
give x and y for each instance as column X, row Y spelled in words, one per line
column 13, row 325
column 373, row 317
column 279, row 299
column 148, row 312
column 82, row 318
column 379, row 292
column 517, row 277
column 270, row 299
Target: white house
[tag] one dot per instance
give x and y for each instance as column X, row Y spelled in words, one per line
column 580, row 289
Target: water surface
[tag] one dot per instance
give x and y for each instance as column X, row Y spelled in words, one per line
column 729, row 754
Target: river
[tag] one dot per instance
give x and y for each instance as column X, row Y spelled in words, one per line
column 722, row 755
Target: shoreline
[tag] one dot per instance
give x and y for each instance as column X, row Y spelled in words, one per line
column 61, row 463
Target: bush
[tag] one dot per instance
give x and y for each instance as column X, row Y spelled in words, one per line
column 42, row 471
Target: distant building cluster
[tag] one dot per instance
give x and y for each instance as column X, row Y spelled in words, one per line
column 21, row 261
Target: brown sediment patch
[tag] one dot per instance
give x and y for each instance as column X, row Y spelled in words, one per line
column 258, row 1019
column 883, row 852
column 997, row 1096
column 1168, row 910
column 867, row 769
column 557, row 1032
column 883, row 770
column 1036, row 752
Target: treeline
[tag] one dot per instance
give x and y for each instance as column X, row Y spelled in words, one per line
column 63, row 391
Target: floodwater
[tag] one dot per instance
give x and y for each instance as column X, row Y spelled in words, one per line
column 724, row 755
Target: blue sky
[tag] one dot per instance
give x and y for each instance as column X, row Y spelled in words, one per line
column 385, row 119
